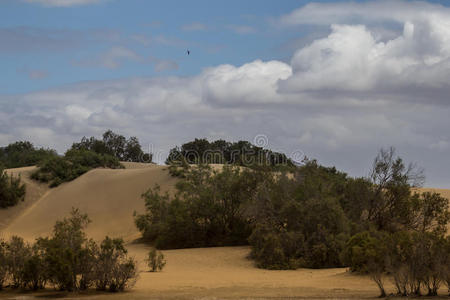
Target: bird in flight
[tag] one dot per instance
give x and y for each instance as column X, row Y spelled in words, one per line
column 188, row 51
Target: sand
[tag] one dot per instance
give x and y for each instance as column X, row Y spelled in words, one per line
column 111, row 196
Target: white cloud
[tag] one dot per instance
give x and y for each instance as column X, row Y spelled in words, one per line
column 63, row 3
column 340, row 99
column 365, row 12
column 359, row 58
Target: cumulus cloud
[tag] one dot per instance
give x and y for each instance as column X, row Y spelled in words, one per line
column 341, row 97
column 63, row 3
column 358, row 58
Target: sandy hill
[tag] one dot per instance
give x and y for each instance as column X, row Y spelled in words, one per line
column 111, row 196
column 108, row 196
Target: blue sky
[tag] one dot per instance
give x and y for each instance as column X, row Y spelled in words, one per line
column 332, row 80
column 217, row 32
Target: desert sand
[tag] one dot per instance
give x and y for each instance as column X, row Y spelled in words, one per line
column 111, row 196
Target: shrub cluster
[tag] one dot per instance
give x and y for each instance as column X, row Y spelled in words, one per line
column 116, row 145
column 309, row 217
column 206, row 211
column 73, row 164
column 242, row 153
column 67, row 260
column 416, row 262
column 22, row 154
column 11, row 189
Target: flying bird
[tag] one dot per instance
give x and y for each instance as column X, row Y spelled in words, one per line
column 188, row 52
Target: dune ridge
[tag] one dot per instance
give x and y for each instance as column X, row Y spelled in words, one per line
column 111, row 196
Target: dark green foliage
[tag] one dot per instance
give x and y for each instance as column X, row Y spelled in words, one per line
column 65, row 252
column 11, row 189
column 67, row 260
column 3, row 263
column 22, row 154
column 300, row 219
column 155, row 260
column 240, row 153
column 115, row 145
column 208, row 209
column 113, row 270
column 73, row 164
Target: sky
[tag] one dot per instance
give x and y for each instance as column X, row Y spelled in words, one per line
column 332, row 80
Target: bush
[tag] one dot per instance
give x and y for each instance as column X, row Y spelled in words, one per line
column 75, row 163
column 3, row 263
column 11, row 189
column 242, row 153
column 115, row 145
column 113, row 271
column 207, row 210
column 22, row 154
column 155, row 260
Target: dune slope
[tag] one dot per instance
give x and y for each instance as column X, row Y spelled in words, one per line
column 34, row 191
column 108, row 196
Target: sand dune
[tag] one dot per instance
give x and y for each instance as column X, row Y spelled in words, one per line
column 34, row 191
column 108, row 196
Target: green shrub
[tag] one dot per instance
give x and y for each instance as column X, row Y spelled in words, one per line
column 113, row 270
column 73, row 164
column 3, row 263
column 242, row 153
column 11, row 189
column 115, row 145
column 72, row 262
column 207, row 210
column 155, row 260
column 22, row 154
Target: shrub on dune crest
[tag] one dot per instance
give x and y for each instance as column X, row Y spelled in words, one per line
column 73, row 164
column 11, row 189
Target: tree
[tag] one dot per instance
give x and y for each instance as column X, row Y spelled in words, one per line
column 22, row 154
column 390, row 206
column 3, row 263
column 366, row 252
column 11, row 189
column 65, row 252
column 113, row 270
column 155, row 260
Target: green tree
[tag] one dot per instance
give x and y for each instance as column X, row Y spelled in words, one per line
column 11, row 189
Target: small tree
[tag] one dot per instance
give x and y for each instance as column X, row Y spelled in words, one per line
column 155, row 260
column 366, row 253
column 11, row 189
column 16, row 256
column 3, row 263
column 65, row 254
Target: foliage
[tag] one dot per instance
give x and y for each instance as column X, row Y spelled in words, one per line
column 11, row 189
column 300, row 219
column 3, row 263
column 67, row 260
column 73, row 164
column 113, row 270
column 155, row 260
column 22, row 154
column 116, row 145
column 242, row 153
column 207, row 210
